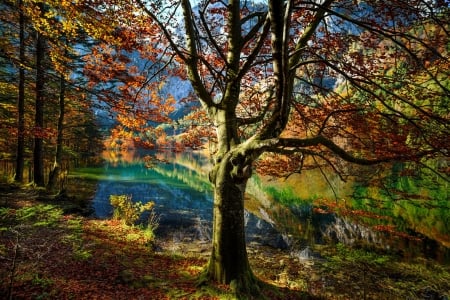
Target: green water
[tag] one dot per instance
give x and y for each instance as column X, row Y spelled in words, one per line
column 396, row 208
column 400, row 208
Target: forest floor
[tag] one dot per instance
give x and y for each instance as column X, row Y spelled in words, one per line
column 52, row 249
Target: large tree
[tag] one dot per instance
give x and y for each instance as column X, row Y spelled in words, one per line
column 315, row 81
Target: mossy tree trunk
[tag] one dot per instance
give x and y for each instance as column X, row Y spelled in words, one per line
column 236, row 152
column 229, row 263
column 257, row 72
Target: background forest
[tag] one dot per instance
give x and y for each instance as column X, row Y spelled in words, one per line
column 73, row 75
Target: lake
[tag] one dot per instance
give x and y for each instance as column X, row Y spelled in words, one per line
column 297, row 216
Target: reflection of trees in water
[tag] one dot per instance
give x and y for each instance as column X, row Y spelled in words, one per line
column 383, row 208
column 195, row 161
column 415, row 200
column 177, row 183
column 192, row 174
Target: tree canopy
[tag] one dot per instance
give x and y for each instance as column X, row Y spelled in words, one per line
column 312, row 81
column 366, row 82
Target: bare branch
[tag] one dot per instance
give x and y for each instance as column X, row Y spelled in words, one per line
column 209, row 34
column 259, row 43
column 164, row 29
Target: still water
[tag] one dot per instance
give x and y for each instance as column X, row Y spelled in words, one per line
column 178, row 185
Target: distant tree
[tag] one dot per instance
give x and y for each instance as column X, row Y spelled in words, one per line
column 56, row 169
column 20, row 154
column 311, row 83
column 56, row 28
column 129, row 80
column 13, row 47
column 38, row 154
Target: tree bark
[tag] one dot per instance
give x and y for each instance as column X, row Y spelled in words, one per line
column 20, row 154
column 229, row 263
column 38, row 160
column 56, row 170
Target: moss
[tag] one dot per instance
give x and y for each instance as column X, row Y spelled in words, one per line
column 40, row 215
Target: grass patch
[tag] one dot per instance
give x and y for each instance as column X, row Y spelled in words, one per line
column 40, row 215
column 75, row 239
column 346, row 254
column 372, row 275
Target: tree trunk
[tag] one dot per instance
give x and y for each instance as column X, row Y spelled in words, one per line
column 228, row 263
column 38, row 160
column 21, row 100
column 54, row 173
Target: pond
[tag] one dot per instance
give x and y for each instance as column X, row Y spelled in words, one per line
column 178, row 185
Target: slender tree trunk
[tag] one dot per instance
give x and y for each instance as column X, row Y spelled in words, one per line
column 54, row 173
column 21, row 100
column 228, row 263
column 38, row 160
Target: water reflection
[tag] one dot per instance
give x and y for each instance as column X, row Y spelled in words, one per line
column 183, row 198
column 178, row 204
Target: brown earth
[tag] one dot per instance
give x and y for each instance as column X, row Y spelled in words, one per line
column 65, row 255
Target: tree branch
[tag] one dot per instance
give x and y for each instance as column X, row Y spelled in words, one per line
column 390, row 35
column 210, row 37
column 283, row 145
column 259, row 117
column 164, row 29
column 192, row 59
column 256, row 50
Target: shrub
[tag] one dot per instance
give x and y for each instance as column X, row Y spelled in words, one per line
column 127, row 210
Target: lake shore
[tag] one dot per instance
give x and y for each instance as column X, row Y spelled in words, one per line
column 69, row 254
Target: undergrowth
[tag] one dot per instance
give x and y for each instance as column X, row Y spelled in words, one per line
column 369, row 274
column 45, row 254
column 130, row 212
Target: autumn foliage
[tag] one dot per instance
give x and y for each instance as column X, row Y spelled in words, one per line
column 283, row 86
